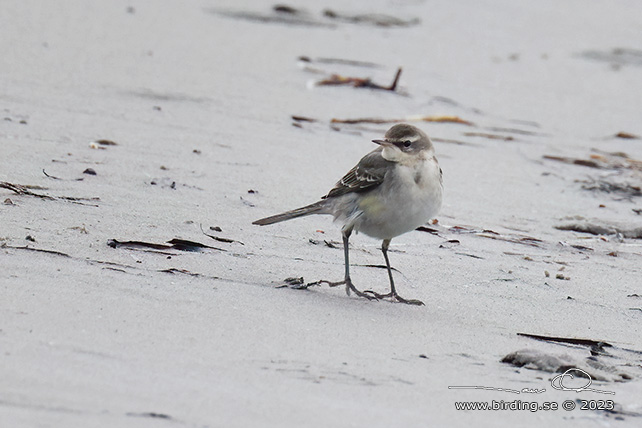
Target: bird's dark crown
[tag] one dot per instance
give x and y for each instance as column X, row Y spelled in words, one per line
column 403, row 134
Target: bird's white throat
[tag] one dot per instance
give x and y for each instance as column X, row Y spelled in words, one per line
column 393, row 154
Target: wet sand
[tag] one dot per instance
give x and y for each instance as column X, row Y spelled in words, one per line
column 524, row 104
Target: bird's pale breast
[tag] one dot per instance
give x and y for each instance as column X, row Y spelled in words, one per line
column 401, row 205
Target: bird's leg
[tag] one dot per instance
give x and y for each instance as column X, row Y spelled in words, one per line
column 393, row 291
column 347, row 281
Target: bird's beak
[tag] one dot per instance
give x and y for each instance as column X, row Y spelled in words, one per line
column 382, row 142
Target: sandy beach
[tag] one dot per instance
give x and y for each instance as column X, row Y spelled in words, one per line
column 140, row 139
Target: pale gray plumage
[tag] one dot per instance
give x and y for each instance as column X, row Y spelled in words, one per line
column 392, row 190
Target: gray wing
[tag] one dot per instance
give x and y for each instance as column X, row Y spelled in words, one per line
column 366, row 175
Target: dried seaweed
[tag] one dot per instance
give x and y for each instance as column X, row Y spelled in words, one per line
column 329, row 244
column 376, row 19
column 443, row 119
column 297, row 283
column 616, row 56
column 218, row 238
column 37, row 250
column 119, row 267
column 101, row 144
column 428, row 229
column 63, row 179
column 626, row 136
column 110, row 265
column 303, row 119
column 284, row 8
column 437, row 119
column 486, row 233
column 150, row 415
column 602, row 160
column 572, row 161
column 489, row 136
column 225, row 240
column 289, row 15
column 595, row 345
column 24, row 190
column 174, row 244
column 378, row 267
column 601, row 228
column 104, row 142
column 605, row 185
column 285, row 15
column 183, row 272
column 358, row 82
column 341, row 61
column 365, row 120
column 470, row 255
column 605, row 362
column 185, row 245
column 537, row 360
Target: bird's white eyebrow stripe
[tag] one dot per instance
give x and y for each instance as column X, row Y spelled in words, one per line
column 414, row 138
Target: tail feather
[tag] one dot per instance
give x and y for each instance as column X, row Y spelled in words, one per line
column 315, row 208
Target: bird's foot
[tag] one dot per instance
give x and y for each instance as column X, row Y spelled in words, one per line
column 349, row 288
column 395, row 298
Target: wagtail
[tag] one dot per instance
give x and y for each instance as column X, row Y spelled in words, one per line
column 392, row 190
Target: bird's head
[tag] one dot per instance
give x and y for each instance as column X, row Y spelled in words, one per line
column 403, row 142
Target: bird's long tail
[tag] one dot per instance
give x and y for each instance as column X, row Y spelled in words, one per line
column 315, row 208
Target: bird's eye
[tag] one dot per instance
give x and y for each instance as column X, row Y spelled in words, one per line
column 407, row 143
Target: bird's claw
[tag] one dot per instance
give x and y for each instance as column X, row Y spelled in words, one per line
column 377, row 295
column 350, row 287
column 395, row 298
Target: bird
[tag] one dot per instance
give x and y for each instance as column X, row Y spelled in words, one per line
column 392, row 190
